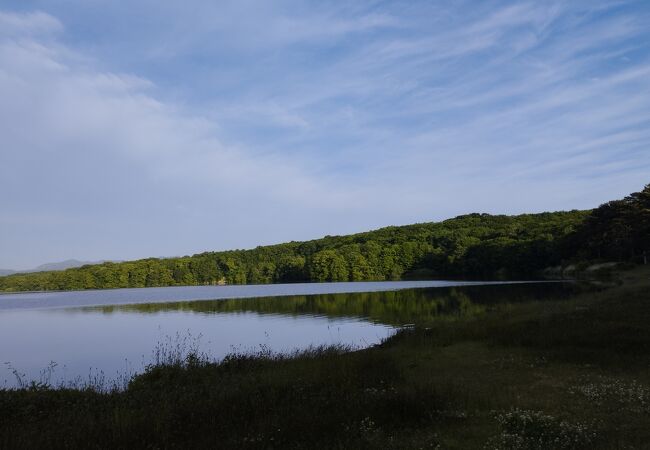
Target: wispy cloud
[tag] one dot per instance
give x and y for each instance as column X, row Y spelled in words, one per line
column 34, row 23
column 217, row 126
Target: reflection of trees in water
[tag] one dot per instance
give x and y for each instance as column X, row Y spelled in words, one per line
column 389, row 307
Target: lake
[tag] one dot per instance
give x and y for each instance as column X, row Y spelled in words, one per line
column 87, row 336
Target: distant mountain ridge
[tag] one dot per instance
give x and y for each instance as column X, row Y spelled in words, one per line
column 67, row 264
column 55, row 266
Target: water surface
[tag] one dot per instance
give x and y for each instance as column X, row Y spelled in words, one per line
column 29, row 300
column 91, row 334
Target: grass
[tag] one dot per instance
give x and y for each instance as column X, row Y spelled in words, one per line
column 550, row 375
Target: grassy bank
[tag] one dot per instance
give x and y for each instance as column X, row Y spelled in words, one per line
column 569, row 374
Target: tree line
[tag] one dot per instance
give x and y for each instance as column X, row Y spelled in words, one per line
column 473, row 245
column 615, row 231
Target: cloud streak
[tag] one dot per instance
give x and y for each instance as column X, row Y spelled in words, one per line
column 300, row 120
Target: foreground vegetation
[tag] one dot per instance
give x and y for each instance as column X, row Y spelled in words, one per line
column 570, row 374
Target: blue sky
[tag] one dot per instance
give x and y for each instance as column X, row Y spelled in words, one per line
column 146, row 128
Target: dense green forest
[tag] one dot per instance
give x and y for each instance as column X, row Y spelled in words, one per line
column 473, row 245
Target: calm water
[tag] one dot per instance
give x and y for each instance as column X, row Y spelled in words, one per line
column 116, row 332
column 181, row 293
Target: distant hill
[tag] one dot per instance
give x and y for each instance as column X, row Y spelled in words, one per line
column 478, row 246
column 62, row 265
column 469, row 246
column 54, row 266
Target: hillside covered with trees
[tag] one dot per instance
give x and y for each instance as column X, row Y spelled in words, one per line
column 473, row 245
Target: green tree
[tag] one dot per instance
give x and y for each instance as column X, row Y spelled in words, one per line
column 328, row 265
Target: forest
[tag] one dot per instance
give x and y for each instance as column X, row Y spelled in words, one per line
column 470, row 246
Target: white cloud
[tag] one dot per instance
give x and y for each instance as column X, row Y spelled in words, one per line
column 92, row 146
column 33, row 23
column 311, row 122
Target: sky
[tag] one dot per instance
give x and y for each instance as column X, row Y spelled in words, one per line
column 147, row 128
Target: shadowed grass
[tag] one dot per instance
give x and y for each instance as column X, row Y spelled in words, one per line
column 320, row 398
